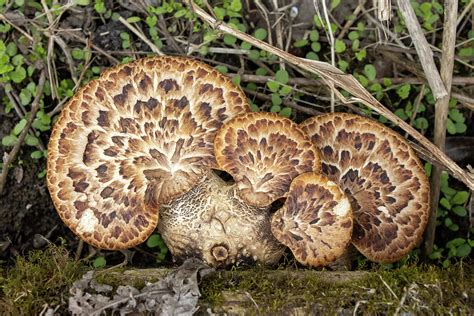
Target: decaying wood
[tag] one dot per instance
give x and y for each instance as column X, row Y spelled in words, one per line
column 134, row 276
column 335, row 78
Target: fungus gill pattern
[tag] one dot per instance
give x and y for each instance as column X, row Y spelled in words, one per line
column 383, row 178
column 139, row 136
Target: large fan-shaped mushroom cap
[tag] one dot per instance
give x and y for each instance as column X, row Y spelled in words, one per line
column 139, row 136
column 382, row 177
column 264, row 152
column 316, row 220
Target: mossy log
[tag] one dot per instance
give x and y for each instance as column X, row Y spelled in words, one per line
column 300, row 292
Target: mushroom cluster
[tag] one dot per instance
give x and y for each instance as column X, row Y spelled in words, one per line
column 143, row 146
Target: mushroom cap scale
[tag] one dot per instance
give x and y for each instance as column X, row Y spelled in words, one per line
column 383, row 178
column 137, row 137
column 264, row 152
column 316, row 220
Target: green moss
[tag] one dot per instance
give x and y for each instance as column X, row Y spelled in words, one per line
column 418, row 289
column 43, row 277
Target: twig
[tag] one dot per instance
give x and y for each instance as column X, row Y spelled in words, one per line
column 335, row 78
column 9, row 158
column 141, row 36
column 423, row 49
column 331, row 40
column 441, row 114
column 351, row 21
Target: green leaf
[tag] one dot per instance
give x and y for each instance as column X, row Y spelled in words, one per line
column 456, row 242
column 370, row 72
column 335, row 3
column 37, row 154
column 316, row 46
column 229, row 39
column 353, row 35
column 260, row 34
column 11, row 49
column 219, row 12
column 445, row 203
column 222, row 69
column 275, row 109
column 31, row 140
column 428, row 168
column 19, row 127
column 276, row 99
column 9, row 140
column 261, row 71
column 460, row 197
column 285, row 90
column 340, row 46
column 450, row 127
column 460, row 128
column 342, row 64
column 77, row 54
column 312, row 56
column 300, row 43
column 154, row 241
column 314, row 35
column 235, row 5
column 421, row 123
column 254, row 54
column 404, row 91
column 82, row 2
column 245, row 45
column 285, row 112
column 18, row 75
column 360, row 55
column 133, row 19
column 456, row 116
column 236, row 80
column 282, row 76
column 459, row 211
column 99, row 262
column 463, row 251
column 273, row 86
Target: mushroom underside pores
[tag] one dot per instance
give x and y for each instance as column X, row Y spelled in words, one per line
column 135, row 149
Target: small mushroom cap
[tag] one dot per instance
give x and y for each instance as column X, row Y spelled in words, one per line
column 137, row 137
column 316, row 220
column 383, row 178
column 264, row 152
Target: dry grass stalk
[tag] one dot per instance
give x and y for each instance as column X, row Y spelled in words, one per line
column 441, row 112
column 335, row 78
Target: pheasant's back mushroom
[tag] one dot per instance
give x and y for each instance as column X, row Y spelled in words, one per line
column 223, row 223
column 316, row 220
column 264, row 152
column 383, row 178
column 137, row 137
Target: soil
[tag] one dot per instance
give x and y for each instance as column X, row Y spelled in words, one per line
column 26, row 210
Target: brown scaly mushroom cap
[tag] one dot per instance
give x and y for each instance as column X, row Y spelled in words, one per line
column 316, row 220
column 225, row 224
column 383, row 178
column 137, row 137
column 264, row 152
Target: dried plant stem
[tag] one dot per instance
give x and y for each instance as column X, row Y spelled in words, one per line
column 335, row 78
column 441, row 113
column 10, row 157
column 423, row 49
